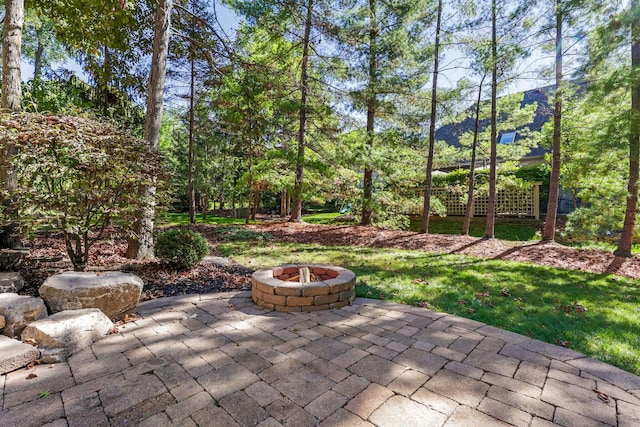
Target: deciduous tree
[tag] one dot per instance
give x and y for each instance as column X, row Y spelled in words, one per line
column 141, row 246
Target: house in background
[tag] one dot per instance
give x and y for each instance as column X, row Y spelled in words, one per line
column 451, row 134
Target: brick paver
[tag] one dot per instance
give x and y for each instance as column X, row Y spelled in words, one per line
column 218, row 360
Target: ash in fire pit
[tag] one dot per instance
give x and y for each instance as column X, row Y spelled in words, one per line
column 309, row 287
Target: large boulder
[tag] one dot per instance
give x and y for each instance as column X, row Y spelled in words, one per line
column 11, row 282
column 64, row 333
column 113, row 292
column 19, row 311
column 15, row 354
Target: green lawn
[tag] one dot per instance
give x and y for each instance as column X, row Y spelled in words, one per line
column 179, row 218
column 599, row 246
column 321, row 218
column 597, row 314
column 503, row 230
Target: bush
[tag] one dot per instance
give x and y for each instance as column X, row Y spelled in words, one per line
column 183, row 248
column 79, row 175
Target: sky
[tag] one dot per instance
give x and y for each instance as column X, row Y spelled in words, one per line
column 452, row 60
column 228, row 20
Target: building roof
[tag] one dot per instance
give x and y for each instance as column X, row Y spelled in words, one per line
column 451, row 133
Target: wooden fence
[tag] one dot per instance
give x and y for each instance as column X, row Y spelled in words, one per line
column 510, row 202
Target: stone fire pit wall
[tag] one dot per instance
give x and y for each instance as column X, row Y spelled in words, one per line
column 334, row 288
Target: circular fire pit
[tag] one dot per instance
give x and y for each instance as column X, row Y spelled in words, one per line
column 304, row 287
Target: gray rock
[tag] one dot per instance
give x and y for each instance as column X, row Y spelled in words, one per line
column 11, row 282
column 15, row 354
column 65, row 333
column 19, row 311
column 114, row 293
column 216, row 260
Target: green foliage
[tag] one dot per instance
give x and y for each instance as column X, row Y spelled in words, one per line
column 536, row 173
column 457, row 177
column 182, row 248
column 39, row 44
column 79, row 176
column 511, row 116
column 230, row 233
column 68, row 95
column 109, row 39
column 596, row 162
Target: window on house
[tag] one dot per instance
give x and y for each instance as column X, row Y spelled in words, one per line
column 507, row 137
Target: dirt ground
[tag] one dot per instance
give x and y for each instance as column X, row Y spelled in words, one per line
column 47, row 256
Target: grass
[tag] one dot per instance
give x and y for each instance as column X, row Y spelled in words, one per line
column 598, row 246
column 541, row 302
column 321, row 218
column 178, row 218
column 502, row 230
column 505, row 231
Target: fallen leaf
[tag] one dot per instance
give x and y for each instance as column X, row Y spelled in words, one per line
column 32, row 364
column 31, row 376
column 505, row 292
column 43, row 394
column 601, row 395
column 483, row 294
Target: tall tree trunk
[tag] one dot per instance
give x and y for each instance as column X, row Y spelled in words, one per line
column 296, row 211
column 284, row 196
column 11, row 45
column 37, row 63
column 549, row 232
column 468, row 212
column 493, row 166
column 11, row 96
column 367, row 201
column 426, row 210
column 104, row 87
column 626, row 237
column 190, row 186
column 205, row 208
column 250, row 198
column 256, row 205
column 142, row 246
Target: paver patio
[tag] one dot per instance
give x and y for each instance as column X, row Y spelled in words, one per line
column 218, row 360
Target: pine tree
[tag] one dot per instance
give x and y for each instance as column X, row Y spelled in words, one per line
column 426, row 210
column 626, row 237
column 384, row 49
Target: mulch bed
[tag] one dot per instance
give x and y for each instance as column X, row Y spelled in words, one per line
column 48, row 256
column 549, row 254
